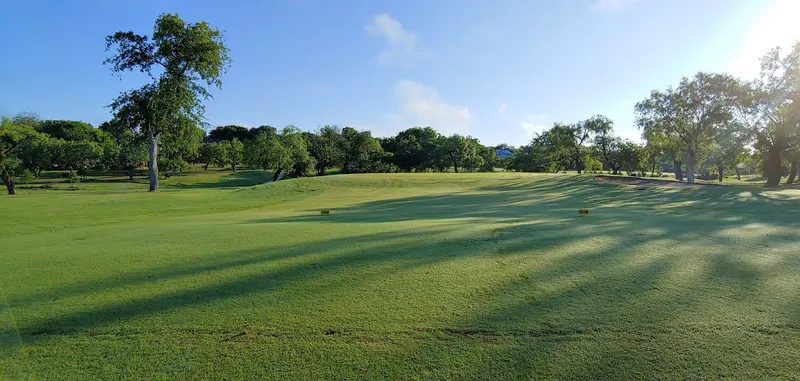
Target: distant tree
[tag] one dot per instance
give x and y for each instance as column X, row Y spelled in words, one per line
column 489, row 159
column 361, row 152
column 327, row 147
column 266, row 151
column 694, row 111
column 235, row 152
column 182, row 145
column 70, row 130
column 768, row 106
column 729, row 149
column 582, row 133
column 413, row 149
column 132, row 147
column 301, row 164
column 632, row 157
column 188, row 57
column 230, row 132
column 80, row 155
column 453, row 150
column 12, row 135
column 219, row 154
column 39, row 153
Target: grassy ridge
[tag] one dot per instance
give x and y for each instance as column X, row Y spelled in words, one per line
column 430, row 276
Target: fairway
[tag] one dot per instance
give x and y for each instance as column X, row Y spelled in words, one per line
column 410, row 276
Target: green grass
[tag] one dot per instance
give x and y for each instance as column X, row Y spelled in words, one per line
column 423, row 276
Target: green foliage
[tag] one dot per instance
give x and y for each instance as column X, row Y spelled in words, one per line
column 234, row 152
column 691, row 114
column 80, row 155
column 413, row 149
column 27, row 176
column 327, row 147
column 70, row 130
column 230, row 132
column 189, row 57
column 267, row 152
column 74, row 179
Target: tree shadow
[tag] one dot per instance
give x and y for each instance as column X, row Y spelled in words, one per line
column 232, row 180
column 643, row 262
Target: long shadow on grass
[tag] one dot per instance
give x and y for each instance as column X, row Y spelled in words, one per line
column 233, row 180
column 564, row 277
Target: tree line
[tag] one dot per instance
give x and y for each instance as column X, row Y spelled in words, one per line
column 708, row 122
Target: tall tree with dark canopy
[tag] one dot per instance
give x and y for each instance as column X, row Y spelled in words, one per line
column 12, row 135
column 182, row 60
column 229, row 133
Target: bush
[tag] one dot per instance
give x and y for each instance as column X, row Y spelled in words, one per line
column 27, row 176
column 74, row 178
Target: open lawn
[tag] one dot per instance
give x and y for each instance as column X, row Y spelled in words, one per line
column 411, row 276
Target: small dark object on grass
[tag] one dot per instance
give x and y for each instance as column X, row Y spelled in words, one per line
column 325, row 212
column 641, row 188
column 583, row 211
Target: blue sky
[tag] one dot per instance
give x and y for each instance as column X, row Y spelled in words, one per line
column 496, row 70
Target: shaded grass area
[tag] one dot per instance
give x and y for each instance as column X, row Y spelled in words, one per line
column 429, row 276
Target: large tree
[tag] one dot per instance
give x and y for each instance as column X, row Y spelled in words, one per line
column 182, row 59
column 132, row 145
column 12, row 135
column 361, row 152
column 693, row 112
column 413, row 149
column 581, row 134
column 770, row 106
column 229, row 133
column 327, row 148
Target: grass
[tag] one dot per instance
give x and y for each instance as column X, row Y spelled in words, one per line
column 411, row 276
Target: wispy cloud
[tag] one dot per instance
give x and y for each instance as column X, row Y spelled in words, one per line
column 400, row 43
column 534, row 123
column 611, row 6
column 421, row 105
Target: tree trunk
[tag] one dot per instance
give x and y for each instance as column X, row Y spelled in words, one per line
column 205, row 167
column 676, row 166
column 233, row 167
column 455, row 164
column 614, row 169
column 9, row 182
column 773, row 167
column 690, row 167
column 653, row 166
column 277, row 173
column 131, row 172
column 719, row 168
column 738, row 175
column 152, row 163
column 578, row 164
column 793, row 171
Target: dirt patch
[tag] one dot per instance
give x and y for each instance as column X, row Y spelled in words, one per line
column 642, row 183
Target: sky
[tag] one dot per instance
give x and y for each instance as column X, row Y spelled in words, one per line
column 496, row 70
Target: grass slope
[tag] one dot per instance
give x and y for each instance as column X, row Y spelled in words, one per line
column 412, row 276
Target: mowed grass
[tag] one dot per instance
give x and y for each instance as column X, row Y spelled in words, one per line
column 411, row 276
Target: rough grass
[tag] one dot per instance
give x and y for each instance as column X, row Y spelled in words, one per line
column 425, row 276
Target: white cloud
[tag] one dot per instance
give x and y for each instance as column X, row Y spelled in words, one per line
column 399, row 43
column 422, row 106
column 611, row 6
column 534, row 123
column 776, row 26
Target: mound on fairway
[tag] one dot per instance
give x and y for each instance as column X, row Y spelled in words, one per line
column 425, row 276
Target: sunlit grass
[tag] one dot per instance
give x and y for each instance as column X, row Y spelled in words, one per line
column 432, row 276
